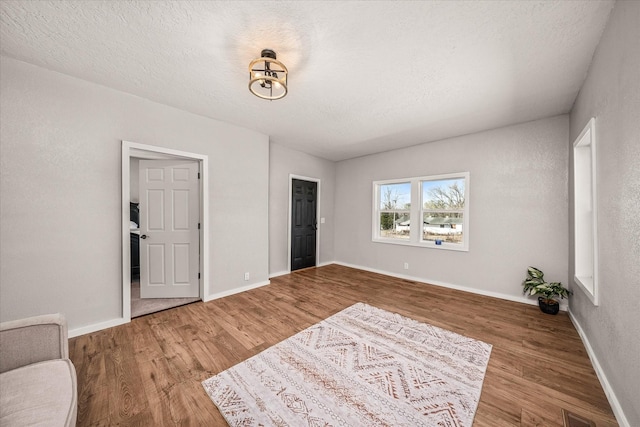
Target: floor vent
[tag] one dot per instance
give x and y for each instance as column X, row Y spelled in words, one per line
column 573, row 420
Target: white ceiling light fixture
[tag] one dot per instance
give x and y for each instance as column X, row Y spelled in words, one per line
column 268, row 76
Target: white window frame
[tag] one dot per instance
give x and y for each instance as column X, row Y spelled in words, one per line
column 377, row 211
column 417, row 210
column 464, row 246
column 585, row 212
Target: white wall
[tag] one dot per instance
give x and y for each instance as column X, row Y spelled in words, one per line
column 61, row 183
column 285, row 161
column 518, row 208
column 611, row 94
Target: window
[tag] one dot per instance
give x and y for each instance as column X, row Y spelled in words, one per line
column 440, row 208
column 443, row 210
column 394, row 206
column 585, row 212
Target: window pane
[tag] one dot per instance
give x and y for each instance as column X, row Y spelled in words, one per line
column 439, row 215
column 443, row 194
column 394, row 225
column 395, row 196
column 444, row 226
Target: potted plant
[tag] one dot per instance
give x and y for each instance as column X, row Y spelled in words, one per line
column 535, row 284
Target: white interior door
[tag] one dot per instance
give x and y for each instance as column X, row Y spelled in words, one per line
column 169, row 235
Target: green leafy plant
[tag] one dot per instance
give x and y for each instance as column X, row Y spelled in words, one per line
column 535, row 284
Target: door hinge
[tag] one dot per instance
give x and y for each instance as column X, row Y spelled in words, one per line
column 198, row 275
column 198, row 175
column 198, row 226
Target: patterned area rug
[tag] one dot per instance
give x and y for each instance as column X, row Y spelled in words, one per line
column 360, row 367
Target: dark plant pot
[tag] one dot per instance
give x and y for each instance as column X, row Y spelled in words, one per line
column 548, row 306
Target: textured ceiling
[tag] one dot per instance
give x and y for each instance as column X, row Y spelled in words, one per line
column 364, row 76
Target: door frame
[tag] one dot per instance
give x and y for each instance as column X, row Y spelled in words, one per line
column 134, row 149
column 318, row 181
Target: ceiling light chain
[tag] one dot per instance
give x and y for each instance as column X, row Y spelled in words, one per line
column 268, row 76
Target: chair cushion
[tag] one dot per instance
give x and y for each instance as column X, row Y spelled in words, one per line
column 41, row 394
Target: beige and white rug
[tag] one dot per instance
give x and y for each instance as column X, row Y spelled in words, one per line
column 360, row 367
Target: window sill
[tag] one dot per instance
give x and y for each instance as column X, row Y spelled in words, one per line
column 587, row 285
column 430, row 245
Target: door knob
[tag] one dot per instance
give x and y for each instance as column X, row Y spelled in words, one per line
column 144, row 236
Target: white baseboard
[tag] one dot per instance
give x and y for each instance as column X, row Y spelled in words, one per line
column 97, row 327
column 235, row 291
column 282, row 273
column 279, row 273
column 121, row 321
column 445, row 284
column 604, row 382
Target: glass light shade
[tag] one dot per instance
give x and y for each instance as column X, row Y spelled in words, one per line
column 268, row 78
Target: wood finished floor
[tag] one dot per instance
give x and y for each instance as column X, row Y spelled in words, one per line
column 148, row 372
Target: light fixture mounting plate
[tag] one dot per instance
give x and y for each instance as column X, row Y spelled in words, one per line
column 268, row 53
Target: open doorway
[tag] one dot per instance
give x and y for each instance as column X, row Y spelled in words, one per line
column 165, row 223
column 164, row 220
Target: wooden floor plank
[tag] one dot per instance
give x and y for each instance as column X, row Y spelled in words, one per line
column 149, row 372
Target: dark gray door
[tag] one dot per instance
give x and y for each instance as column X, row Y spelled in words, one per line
column 303, row 224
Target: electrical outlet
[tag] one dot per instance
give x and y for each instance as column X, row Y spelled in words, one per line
column 406, row 265
column 246, row 276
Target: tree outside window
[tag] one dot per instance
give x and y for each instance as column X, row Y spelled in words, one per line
column 443, row 203
column 395, row 214
column 438, row 217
